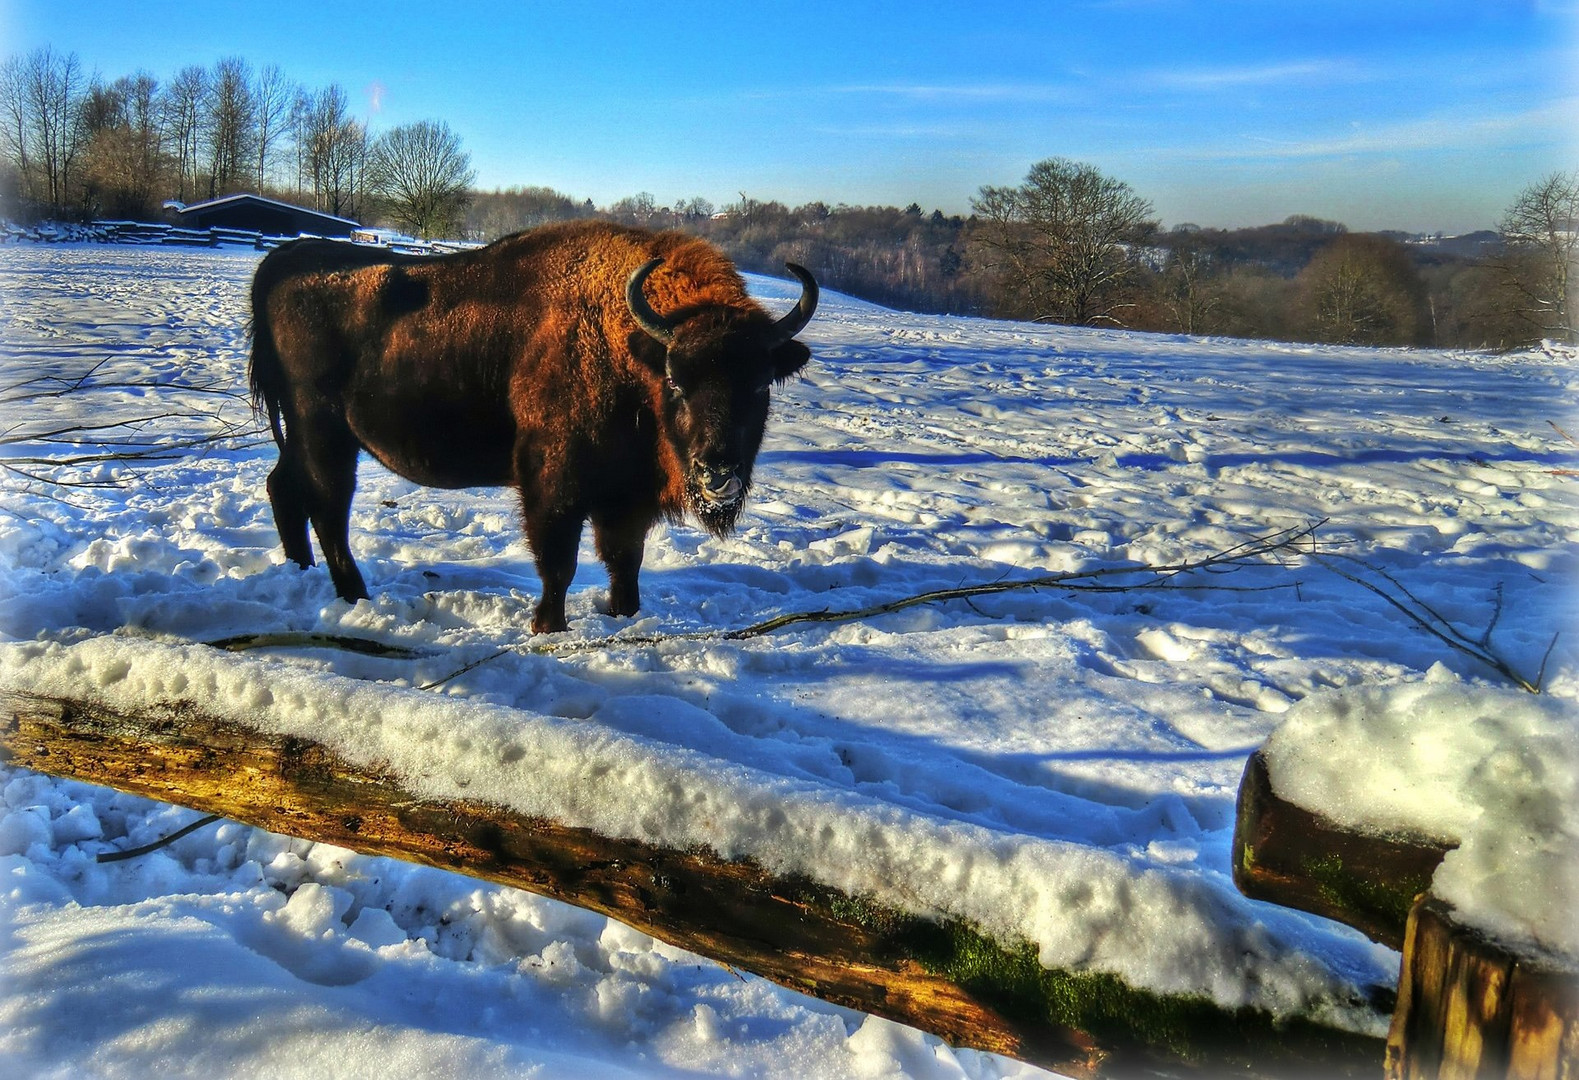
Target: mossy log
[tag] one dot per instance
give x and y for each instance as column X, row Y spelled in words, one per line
column 1294, row 857
column 1471, row 1009
column 944, row 977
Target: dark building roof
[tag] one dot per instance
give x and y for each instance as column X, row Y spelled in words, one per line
column 257, row 214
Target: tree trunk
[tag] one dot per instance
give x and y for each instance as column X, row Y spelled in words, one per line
column 1469, row 1008
column 946, row 978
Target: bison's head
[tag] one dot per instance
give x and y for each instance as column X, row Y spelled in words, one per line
column 719, row 364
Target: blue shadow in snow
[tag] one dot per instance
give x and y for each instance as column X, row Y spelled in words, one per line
column 1315, row 459
column 873, row 459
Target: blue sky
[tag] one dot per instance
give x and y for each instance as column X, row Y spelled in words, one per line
column 1380, row 113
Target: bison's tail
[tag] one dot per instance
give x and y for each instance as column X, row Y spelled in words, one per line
column 265, row 374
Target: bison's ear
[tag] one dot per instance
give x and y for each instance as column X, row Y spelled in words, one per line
column 647, row 351
column 789, row 358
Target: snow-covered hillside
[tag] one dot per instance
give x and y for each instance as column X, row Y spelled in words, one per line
column 1054, row 764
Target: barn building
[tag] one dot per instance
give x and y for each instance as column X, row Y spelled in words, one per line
column 254, row 213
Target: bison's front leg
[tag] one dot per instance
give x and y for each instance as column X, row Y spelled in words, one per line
column 620, row 546
column 555, row 539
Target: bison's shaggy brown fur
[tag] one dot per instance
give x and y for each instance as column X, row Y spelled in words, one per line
column 540, row 361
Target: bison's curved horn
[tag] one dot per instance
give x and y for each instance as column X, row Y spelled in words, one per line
column 650, row 321
column 796, row 320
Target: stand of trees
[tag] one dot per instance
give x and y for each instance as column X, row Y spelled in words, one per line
column 903, row 258
column 1069, row 244
column 76, row 147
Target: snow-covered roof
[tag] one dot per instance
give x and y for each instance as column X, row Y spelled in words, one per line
column 248, row 197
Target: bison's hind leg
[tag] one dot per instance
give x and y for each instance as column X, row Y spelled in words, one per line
column 315, row 481
column 288, row 497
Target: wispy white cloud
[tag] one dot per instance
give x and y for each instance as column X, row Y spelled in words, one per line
column 940, row 133
column 1241, row 76
column 1550, row 121
column 960, row 92
column 1085, row 86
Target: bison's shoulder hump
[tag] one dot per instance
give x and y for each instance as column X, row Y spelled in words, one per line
column 702, row 274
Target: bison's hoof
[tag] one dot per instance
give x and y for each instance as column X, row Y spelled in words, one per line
column 624, row 608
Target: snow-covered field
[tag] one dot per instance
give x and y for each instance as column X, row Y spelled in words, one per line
column 1054, row 764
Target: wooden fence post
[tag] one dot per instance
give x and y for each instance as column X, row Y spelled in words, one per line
column 1470, row 1008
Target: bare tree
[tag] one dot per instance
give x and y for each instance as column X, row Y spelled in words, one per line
column 1190, row 295
column 228, row 126
column 332, row 149
column 301, row 139
column 637, row 209
column 44, row 95
column 693, row 209
column 1363, row 289
column 1063, row 243
column 422, row 176
column 16, row 125
column 272, row 97
column 182, row 108
column 1541, row 230
column 125, row 160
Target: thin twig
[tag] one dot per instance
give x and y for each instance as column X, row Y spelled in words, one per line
column 1434, row 615
column 132, row 853
column 306, row 640
column 474, row 665
column 1496, row 614
column 1540, row 675
column 53, row 435
column 1078, row 580
column 1249, row 551
column 82, row 387
column 1432, row 622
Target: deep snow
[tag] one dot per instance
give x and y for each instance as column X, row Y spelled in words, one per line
column 1058, row 765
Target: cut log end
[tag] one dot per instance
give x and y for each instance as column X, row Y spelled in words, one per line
column 1288, row 855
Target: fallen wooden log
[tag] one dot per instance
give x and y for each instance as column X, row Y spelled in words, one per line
column 1471, row 1007
column 944, row 977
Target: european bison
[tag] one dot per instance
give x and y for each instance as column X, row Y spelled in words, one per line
column 610, row 374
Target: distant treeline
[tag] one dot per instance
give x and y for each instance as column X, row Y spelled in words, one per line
column 1304, row 279
column 1067, row 245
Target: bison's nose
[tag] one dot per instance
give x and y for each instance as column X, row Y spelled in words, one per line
column 718, row 484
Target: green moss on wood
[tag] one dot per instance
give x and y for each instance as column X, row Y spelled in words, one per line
column 1247, row 859
column 1009, row 978
column 1345, row 890
column 1185, row 1027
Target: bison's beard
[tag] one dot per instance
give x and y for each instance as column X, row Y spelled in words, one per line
column 717, row 518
